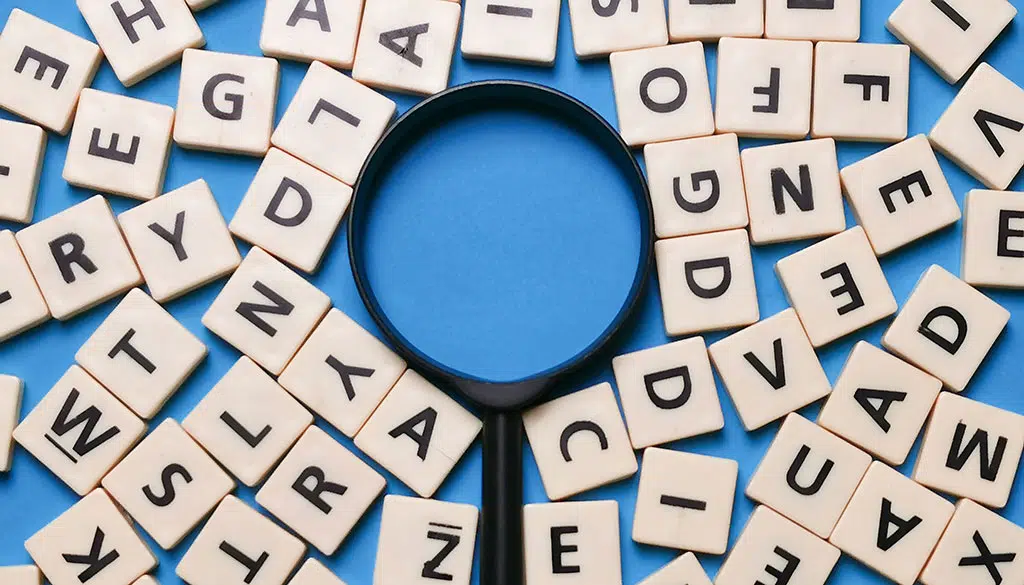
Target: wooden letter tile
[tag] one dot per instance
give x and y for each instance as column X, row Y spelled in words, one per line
column 92, row 542
column 668, row 393
column 601, row 27
column 685, row 569
column 978, row 547
column 769, row 369
column 793, row 191
column 313, row 572
column 971, row 450
column 226, row 102
column 141, row 354
column 168, row 484
column 710, row 21
column 662, row 93
column 79, row 257
column 247, row 422
column 983, row 128
column 119, row 145
column 342, row 372
column 312, row 30
column 764, row 87
column 239, row 546
column 425, row 541
column 146, row 580
column 950, row 35
column 22, row 147
column 861, row 91
column 696, row 185
column 524, row 31
column 10, row 413
column 892, row 524
column 685, row 501
column 21, row 575
column 418, row 433
column 707, row 282
column 266, row 310
column 21, row 304
column 79, row 431
column 579, row 441
column 407, row 45
column 291, row 210
column 772, row 549
column 879, row 403
column 320, row 490
column 43, row 68
column 197, row 5
column 813, row 20
column 836, row 286
column 572, row 543
column 900, row 195
column 141, row 37
column 808, row 475
column 992, row 251
column 180, row 241
column 946, row 328
column 333, row 122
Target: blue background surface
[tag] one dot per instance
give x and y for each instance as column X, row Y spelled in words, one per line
column 30, row 496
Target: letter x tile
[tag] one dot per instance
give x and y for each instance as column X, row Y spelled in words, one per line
column 979, row 547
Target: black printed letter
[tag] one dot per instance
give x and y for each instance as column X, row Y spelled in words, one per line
column 167, row 480
column 111, row 152
column 273, row 211
column 782, row 576
column 558, row 549
column 690, row 269
column 782, row 184
column 128, row 21
column 96, row 560
column 251, row 311
column 776, row 379
column 950, row 345
column 319, row 14
column 346, row 372
column 772, row 91
column 794, row 470
column 578, row 427
column 314, row 494
column 124, row 345
column 959, row 454
column 236, row 100
column 174, row 238
column 428, row 418
column 849, row 287
column 66, row 258
column 696, row 179
column 663, row 107
column 60, row 68
column 1003, row 249
column 682, row 373
column 886, row 518
column 411, row 34
column 903, row 185
column 864, row 396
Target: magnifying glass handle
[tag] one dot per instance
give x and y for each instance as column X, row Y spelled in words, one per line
column 501, row 556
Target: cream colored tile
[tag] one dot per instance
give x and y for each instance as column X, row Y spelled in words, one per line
column 21, row 575
column 572, row 543
column 10, row 413
column 21, row 304
column 688, row 20
column 308, row 30
column 813, row 20
column 979, row 547
column 425, row 541
column 22, row 148
column 991, row 254
column 602, row 27
column 197, row 5
column 313, row 572
column 523, row 31
column 685, row 569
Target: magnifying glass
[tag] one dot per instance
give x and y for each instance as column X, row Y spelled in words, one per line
column 495, row 266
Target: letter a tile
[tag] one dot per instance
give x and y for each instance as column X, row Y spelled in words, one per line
column 979, row 547
column 424, row 542
column 312, row 30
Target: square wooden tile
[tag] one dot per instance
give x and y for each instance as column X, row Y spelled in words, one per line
column 21, row 575
column 523, row 31
column 979, row 546
column 313, row 572
column 601, row 27
column 572, row 543
column 304, row 30
column 710, row 21
column 22, row 148
column 425, row 541
column 991, row 253
column 21, row 304
column 684, row 569
column 813, row 20
column 197, row 5
column 10, row 414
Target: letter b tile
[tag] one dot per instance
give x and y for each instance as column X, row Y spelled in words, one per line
column 425, row 542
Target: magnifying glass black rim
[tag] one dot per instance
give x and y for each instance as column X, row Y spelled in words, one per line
column 437, row 110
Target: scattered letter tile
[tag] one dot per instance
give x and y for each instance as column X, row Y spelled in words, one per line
column 690, row 20
column 662, row 93
column 197, row 5
column 291, row 210
column 861, row 91
column 21, row 575
column 141, row 354
column 764, row 87
column 813, row 20
column 239, row 546
column 320, row 490
column 313, row 572
column 572, row 543
column 10, row 413
column 418, row 433
column 247, row 422
column 836, row 286
column 668, row 393
column 773, row 549
column 141, row 37
column 21, row 304
column 821, row 473
column 180, row 241
column 92, row 542
column 601, row 27
column 769, row 369
column 342, row 372
column 971, row 450
column 946, row 328
column 950, row 35
column 79, row 257
column 685, row 501
column 983, row 128
column 992, row 250
column 793, row 191
column 43, row 69
column 22, row 147
column 266, row 310
column 312, row 30
column 511, row 30
column 900, row 194
column 696, row 185
column 979, row 547
column 425, row 541
column 119, row 145
column 579, row 442
column 79, row 431
column 168, row 484
column 879, row 403
column 407, row 45
column 707, row 282
column 333, row 122
column 226, row 102
column 685, row 569
column 892, row 524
